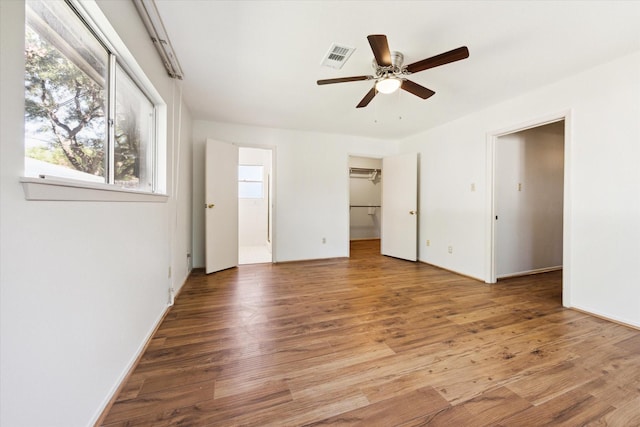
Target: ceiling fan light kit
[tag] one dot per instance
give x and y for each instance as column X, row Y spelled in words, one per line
column 388, row 85
column 390, row 72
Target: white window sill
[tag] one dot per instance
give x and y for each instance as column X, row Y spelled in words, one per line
column 68, row 190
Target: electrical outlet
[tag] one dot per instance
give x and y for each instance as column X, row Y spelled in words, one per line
column 473, row 186
column 428, row 242
column 450, row 249
column 324, row 240
column 519, row 186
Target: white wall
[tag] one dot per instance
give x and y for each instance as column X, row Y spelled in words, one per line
column 253, row 213
column 364, row 223
column 602, row 231
column 529, row 184
column 82, row 284
column 311, row 191
column 180, row 213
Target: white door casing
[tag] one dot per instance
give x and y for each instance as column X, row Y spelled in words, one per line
column 399, row 225
column 221, row 206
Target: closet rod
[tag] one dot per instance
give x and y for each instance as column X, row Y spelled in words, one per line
column 364, row 170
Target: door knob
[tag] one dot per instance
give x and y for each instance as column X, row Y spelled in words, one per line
column 412, row 212
column 210, row 205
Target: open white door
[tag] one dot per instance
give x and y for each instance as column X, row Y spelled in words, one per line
column 399, row 226
column 221, row 206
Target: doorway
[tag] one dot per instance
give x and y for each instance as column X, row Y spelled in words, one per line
column 528, row 200
column 365, row 198
column 385, row 206
column 255, row 213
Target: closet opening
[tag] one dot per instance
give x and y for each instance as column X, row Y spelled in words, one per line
column 365, row 196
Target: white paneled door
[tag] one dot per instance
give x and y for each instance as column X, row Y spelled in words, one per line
column 221, row 206
column 399, row 226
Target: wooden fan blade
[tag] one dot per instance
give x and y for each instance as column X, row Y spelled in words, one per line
column 367, row 98
column 443, row 58
column 380, row 48
column 416, row 89
column 343, row 80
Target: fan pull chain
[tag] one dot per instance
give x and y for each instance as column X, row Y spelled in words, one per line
column 375, row 112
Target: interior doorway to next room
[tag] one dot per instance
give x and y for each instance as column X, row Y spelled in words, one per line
column 529, row 200
column 254, row 205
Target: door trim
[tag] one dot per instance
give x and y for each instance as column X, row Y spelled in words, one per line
column 490, row 238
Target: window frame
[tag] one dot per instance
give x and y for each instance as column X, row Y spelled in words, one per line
column 54, row 188
column 261, row 181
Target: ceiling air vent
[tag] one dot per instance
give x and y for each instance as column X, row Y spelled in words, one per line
column 337, row 56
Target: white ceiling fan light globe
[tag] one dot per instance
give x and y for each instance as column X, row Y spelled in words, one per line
column 388, row 85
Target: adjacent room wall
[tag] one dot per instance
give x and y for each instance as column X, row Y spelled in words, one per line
column 82, row 284
column 529, row 184
column 311, row 191
column 602, row 232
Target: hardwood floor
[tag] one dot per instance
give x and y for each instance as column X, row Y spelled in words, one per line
column 377, row 341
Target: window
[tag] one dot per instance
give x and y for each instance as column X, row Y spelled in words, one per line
column 250, row 182
column 134, row 131
column 85, row 116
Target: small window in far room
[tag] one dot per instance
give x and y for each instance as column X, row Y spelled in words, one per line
column 250, row 182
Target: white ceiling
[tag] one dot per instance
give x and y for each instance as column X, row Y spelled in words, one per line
column 257, row 62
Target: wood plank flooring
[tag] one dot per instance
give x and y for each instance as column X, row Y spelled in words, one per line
column 377, row 341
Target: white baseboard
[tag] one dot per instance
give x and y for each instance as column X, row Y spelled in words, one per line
column 528, row 272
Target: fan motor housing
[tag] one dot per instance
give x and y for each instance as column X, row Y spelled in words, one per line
column 397, row 60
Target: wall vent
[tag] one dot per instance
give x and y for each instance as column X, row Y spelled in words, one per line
column 337, row 56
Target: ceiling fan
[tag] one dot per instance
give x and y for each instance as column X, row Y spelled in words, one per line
column 390, row 71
